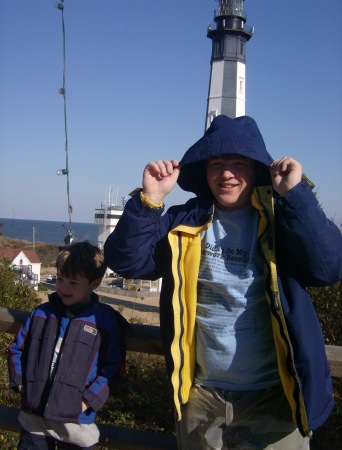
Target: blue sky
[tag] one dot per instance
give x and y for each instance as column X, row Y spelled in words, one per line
column 137, row 77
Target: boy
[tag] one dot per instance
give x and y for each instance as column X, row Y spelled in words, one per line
column 244, row 349
column 67, row 356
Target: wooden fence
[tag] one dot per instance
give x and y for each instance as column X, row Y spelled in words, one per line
column 144, row 339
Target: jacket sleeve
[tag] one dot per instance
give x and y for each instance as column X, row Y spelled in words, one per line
column 112, row 357
column 15, row 356
column 313, row 241
column 132, row 249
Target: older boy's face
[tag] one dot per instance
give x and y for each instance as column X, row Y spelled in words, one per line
column 75, row 290
column 231, row 179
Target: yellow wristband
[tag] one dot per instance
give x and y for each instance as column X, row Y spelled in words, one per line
column 146, row 201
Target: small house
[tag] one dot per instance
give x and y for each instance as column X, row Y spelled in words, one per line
column 26, row 262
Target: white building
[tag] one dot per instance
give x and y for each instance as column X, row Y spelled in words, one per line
column 108, row 215
column 26, row 262
column 107, row 218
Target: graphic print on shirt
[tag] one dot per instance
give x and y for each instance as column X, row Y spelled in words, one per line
column 233, row 325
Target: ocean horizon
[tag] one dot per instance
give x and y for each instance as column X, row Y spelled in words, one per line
column 47, row 232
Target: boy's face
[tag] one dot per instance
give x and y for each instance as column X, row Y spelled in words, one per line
column 75, row 290
column 231, row 179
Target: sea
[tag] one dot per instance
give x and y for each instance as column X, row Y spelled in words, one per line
column 48, row 232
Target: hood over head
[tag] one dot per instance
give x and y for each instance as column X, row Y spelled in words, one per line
column 239, row 136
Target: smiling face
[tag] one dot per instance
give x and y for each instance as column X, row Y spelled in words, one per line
column 75, row 290
column 231, row 179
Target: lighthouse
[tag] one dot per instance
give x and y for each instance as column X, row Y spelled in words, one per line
column 227, row 93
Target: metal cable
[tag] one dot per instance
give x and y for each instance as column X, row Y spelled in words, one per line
column 69, row 238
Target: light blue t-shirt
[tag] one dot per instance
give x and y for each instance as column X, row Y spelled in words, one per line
column 234, row 340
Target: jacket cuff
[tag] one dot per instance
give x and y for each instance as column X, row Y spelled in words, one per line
column 137, row 207
column 13, row 385
column 300, row 196
column 146, row 201
column 93, row 400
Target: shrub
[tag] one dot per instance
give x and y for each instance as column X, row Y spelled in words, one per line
column 13, row 294
column 328, row 304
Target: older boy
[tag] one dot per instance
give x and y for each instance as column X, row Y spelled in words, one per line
column 244, row 348
column 67, row 356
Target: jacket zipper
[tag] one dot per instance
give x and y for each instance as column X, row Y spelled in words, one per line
column 58, row 362
column 277, row 312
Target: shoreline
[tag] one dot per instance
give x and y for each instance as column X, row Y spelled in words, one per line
column 47, row 232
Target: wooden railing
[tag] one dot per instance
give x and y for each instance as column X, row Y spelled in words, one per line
column 144, row 339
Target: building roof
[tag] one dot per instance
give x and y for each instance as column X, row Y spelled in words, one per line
column 12, row 253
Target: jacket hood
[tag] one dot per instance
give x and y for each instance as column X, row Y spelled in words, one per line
column 239, row 136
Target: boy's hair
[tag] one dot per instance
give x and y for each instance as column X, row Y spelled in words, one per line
column 81, row 258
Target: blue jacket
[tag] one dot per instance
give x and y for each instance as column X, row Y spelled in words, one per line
column 90, row 362
column 300, row 247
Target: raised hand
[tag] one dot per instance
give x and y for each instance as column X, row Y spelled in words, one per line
column 286, row 173
column 159, row 178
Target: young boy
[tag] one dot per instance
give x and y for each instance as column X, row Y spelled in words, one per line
column 67, row 356
column 244, row 349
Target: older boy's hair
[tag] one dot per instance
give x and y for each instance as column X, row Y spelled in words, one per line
column 81, row 258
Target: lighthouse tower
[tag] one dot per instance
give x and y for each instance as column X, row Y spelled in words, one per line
column 228, row 61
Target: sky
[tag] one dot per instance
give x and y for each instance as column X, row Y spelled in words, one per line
column 137, row 78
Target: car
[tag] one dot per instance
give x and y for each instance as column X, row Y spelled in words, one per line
column 51, row 278
column 118, row 283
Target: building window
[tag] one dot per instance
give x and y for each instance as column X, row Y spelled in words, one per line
column 218, row 48
column 241, row 86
